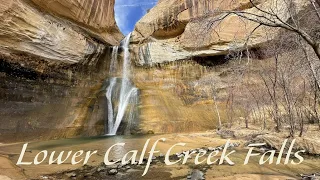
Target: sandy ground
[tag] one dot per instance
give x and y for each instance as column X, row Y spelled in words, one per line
column 255, row 177
column 8, row 170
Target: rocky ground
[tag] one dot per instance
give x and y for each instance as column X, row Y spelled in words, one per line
column 208, row 141
column 159, row 171
column 128, row 171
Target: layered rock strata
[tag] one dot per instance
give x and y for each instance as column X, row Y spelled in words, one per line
column 191, row 28
column 54, row 58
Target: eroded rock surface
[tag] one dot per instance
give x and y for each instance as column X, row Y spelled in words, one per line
column 26, row 30
column 53, row 62
column 95, row 16
column 194, row 28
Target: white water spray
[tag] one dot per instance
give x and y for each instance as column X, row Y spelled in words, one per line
column 114, row 60
column 128, row 93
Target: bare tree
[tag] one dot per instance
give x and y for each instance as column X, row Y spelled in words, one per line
column 271, row 17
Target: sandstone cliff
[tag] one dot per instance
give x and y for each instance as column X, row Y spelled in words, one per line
column 26, row 29
column 53, row 62
column 94, row 16
column 190, row 74
column 189, row 28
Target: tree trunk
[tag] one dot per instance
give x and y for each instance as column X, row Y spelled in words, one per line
column 217, row 110
column 312, row 42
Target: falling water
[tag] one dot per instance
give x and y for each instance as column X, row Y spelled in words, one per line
column 114, row 60
column 128, row 93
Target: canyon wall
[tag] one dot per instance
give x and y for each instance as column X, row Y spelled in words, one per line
column 201, row 28
column 94, row 16
column 54, row 59
column 27, row 28
column 191, row 73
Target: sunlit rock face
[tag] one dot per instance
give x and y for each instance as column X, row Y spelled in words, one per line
column 191, row 28
column 94, row 16
column 179, row 96
column 53, row 63
column 169, row 18
column 27, row 30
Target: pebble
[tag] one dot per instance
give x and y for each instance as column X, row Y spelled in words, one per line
column 194, row 151
column 71, row 174
column 202, row 151
column 100, row 169
column 102, row 174
column 263, row 150
column 113, row 172
column 161, row 155
column 314, row 176
column 197, row 175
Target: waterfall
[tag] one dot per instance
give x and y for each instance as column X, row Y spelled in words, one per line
column 114, row 60
column 118, row 101
column 110, row 105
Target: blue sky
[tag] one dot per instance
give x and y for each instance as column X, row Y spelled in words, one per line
column 128, row 12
